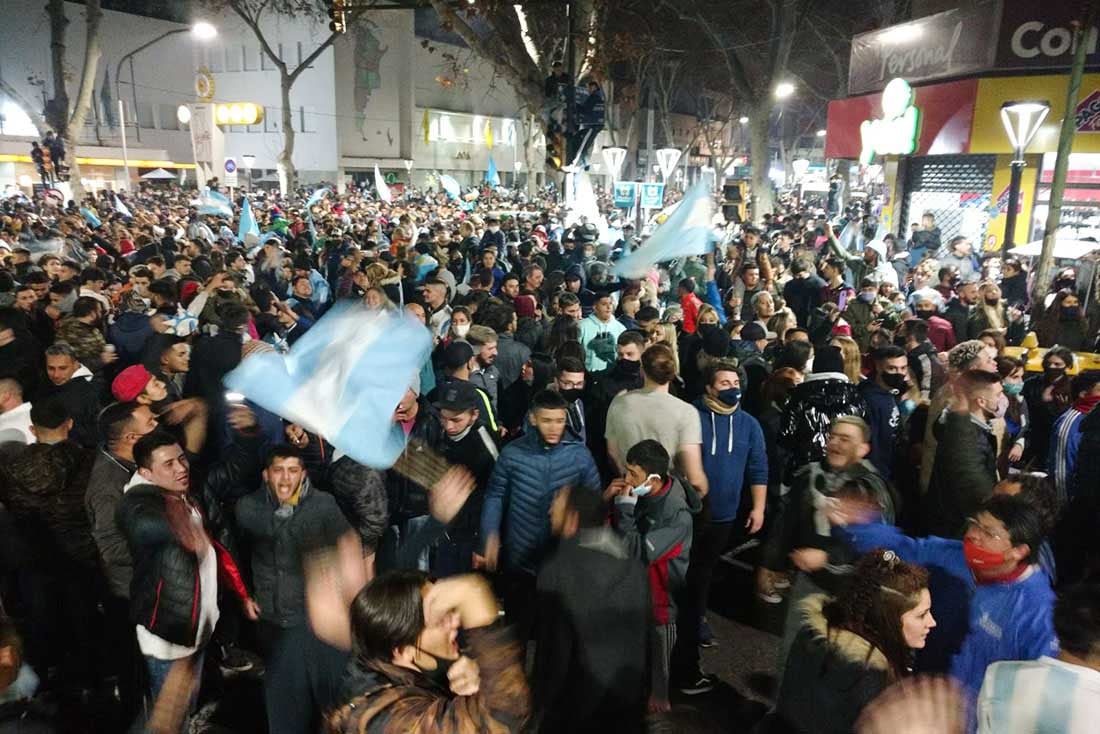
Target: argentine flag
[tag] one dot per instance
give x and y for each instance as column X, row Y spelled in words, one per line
column 491, row 175
column 343, row 379
column 450, row 185
column 248, row 223
column 215, row 204
column 315, row 197
column 687, row 231
column 90, row 217
column 121, row 208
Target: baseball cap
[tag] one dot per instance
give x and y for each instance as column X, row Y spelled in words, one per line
column 130, row 383
column 457, row 395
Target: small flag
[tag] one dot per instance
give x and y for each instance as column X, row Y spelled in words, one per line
column 489, row 134
column 450, row 185
column 212, row 203
column 315, row 197
column 343, row 379
column 687, row 231
column 90, row 217
column 491, row 175
column 381, row 187
column 248, row 224
column 121, row 208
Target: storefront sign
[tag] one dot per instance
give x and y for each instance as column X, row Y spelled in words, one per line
column 896, row 133
column 1040, row 35
column 653, row 195
column 953, row 43
column 1088, row 113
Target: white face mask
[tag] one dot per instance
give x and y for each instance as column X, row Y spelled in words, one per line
column 643, row 489
column 461, row 330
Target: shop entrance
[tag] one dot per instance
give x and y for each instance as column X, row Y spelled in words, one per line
column 957, row 189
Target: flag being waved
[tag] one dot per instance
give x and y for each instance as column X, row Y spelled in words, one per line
column 687, row 231
column 381, row 187
column 248, row 224
column 343, row 379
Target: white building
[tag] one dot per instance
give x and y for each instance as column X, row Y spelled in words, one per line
column 373, row 98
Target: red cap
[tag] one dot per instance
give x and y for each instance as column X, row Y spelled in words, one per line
column 130, row 383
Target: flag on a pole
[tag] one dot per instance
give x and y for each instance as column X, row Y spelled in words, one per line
column 491, row 175
column 248, row 224
column 688, row 231
column 381, row 187
column 315, row 197
column 426, row 126
column 489, row 134
column 343, row 379
column 450, row 185
column 121, row 208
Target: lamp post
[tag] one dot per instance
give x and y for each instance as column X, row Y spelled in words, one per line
column 613, row 157
column 667, row 158
column 202, row 31
column 248, row 160
column 1021, row 121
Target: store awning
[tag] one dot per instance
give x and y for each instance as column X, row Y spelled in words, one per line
column 1063, row 249
column 159, row 174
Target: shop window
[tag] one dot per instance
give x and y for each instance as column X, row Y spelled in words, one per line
column 215, row 59
column 145, row 115
column 273, row 120
column 957, row 189
column 167, row 117
column 307, row 120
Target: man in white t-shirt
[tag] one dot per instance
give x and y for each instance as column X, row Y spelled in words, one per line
column 652, row 412
column 15, row 413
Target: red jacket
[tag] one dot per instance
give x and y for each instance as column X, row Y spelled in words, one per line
column 690, row 305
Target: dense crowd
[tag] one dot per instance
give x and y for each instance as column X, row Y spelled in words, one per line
column 581, row 451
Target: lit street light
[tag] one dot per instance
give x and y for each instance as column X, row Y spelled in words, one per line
column 1021, row 121
column 784, row 90
column 744, row 121
column 249, row 161
column 820, row 133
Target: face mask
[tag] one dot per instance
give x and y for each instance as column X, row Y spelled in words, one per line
column 867, row 297
column 461, row 330
column 979, row 559
column 643, row 489
column 629, row 366
column 730, row 396
column 992, row 301
column 571, row 395
column 1069, row 313
column 895, row 382
column 925, row 314
column 1053, row 373
column 1012, row 389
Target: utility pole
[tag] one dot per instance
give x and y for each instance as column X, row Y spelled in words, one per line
column 1061, row 163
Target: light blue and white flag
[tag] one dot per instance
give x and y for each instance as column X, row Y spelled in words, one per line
column 90, row 217
column 315, row 197
column 343, row 379
column 121, row 208
column 491, row 175
column 381, row 187
column 688, row 231
column 450, row 185
column 215, row 204
column 248, row 224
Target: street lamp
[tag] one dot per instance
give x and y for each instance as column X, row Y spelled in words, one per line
column 248, row 160
column 744, row 120
column 1021, row 121
column 408, row 165
column 201, row 31
column 667, row 158
column 613, row 157
column 820, row 133
column 784, row 90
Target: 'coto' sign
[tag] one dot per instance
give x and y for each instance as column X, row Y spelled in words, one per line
column 1033, row 38
column 1040, row 35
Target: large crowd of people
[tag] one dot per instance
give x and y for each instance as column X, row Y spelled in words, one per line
column 582, row 451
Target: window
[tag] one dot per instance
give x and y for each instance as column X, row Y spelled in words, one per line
column 307, row 120
column 266, row 64
column 145, row 115
column 215, row 59
column 167, row 115
column 273, row 120
column 233, row 58
column 250, row 60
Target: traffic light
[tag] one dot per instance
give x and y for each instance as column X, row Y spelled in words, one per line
column 336, row 11
column 735, row 200
column 556, row 151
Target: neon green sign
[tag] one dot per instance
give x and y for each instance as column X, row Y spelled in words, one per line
column 898, row 130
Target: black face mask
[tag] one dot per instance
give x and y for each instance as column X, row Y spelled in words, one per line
column 439, row 674
column 572, row 394
column 992, row 301
column 1070, row 313
column 629, row 366
column 895, row 382
column 1050, row 374
column 922, row 314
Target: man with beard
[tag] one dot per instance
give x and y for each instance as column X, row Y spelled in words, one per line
column 71, row 383
column 960, row 308
column 281, row 521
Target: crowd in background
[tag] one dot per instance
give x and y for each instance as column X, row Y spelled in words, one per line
column 582, row 450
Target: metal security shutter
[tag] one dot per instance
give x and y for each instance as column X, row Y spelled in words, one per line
column 958, row 189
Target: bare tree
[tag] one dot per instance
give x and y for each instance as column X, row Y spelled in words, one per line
column 64, row 115
column 252, row 13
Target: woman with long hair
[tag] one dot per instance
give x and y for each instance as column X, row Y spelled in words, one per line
column 1063, row 323
column 1017, row 421
column 852, row 646
column 991, row 313
column 853, row 361
column 562, row 329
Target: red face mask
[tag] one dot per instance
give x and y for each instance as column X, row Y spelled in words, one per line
column 980, row 561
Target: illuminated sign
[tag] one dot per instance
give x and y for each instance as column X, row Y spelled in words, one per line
column 897, row 132
column 238, row 113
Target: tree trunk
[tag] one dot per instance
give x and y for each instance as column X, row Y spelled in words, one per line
column 92, row 53
column 57, row 108
column 286, row 157
column 761, row 200
column 531, row 126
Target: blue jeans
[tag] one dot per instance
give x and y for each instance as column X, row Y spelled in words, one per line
column 158, row 673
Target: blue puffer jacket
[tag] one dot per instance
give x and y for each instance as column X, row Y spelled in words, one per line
column 521, row 488
column 129, row 334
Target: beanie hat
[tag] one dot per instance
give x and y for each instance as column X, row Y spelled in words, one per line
column 753, row 332
column 130, row 383
column 716, row 342
column 525, row 307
